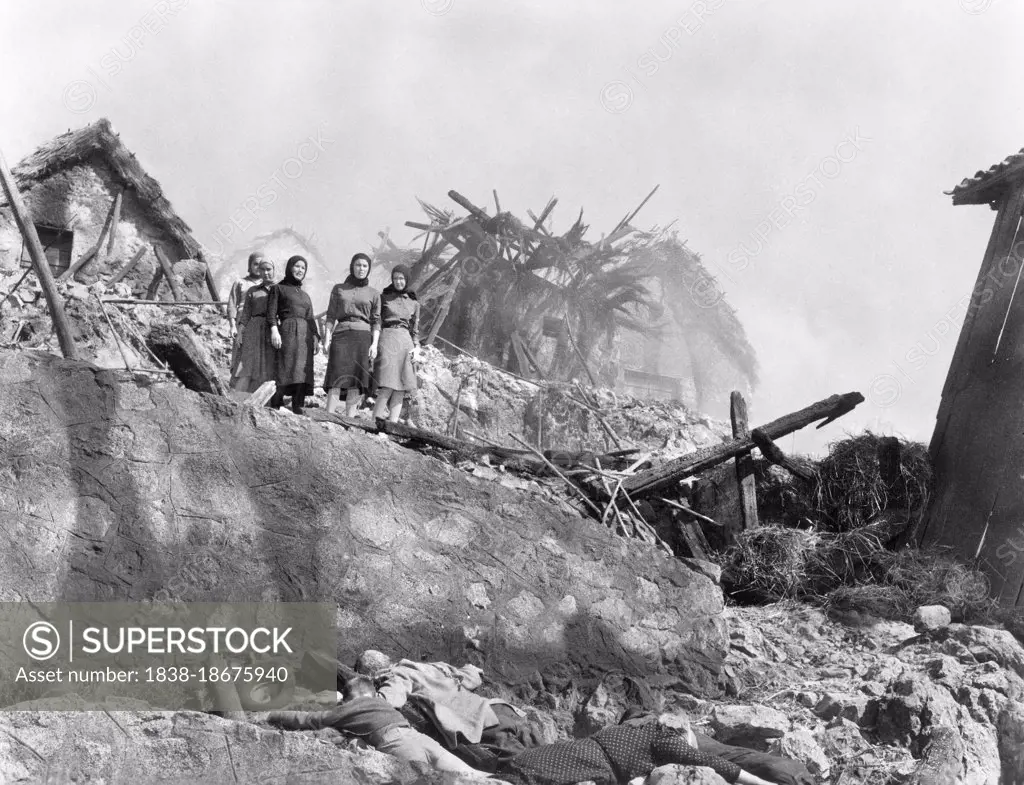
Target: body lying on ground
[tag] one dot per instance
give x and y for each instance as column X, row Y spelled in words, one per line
column 616, row 755
column 440, row 700
column 364, row 714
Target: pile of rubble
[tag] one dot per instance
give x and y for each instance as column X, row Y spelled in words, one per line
column 109, row 327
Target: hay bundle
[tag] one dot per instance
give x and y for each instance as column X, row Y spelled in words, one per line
column 851, row 491
column 852, row 570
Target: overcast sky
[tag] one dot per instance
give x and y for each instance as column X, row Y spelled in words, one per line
column 803, row 146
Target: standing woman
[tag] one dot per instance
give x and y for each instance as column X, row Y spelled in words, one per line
column 355, row 308
column 394, row 372
column 236, row 298
column 256, row 355
column 294, row 333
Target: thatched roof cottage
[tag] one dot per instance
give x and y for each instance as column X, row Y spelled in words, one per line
column 92, row 202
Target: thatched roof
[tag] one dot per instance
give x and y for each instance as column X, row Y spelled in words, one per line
column 100, row 140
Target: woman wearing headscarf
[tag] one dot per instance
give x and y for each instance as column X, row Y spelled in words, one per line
column 295, row 335
column 256, row 355
column 236, row 299
column 353, row 328
column 394, row 372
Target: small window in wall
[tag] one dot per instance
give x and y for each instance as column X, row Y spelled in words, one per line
column 56, row 244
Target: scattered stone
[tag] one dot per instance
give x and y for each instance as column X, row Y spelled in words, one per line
column 802, row 746
column 931, row 617
column 748, row 726
column 674, row 774
column 852, row 707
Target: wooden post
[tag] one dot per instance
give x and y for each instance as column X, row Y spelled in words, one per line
column 211, row 285
column 128, row 267
column 114, row 222
column 744, row 463
column 28, row 231
column 96, row 249
column 168, row 271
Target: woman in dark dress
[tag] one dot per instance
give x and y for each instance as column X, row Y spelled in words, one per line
column 256, row 355
column 616, row 754
column 294, row 333
column 394, row 372
column 355, row 310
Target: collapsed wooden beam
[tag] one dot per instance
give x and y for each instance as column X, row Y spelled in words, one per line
column 128, row 267
column 91, row 254
column 168, row 271
column 513, row 458
column 672, row 472
column 771, row 451
column 35, row 249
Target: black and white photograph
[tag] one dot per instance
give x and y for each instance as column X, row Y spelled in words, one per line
column 444, row 391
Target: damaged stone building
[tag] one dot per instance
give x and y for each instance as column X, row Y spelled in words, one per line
column 100, row 216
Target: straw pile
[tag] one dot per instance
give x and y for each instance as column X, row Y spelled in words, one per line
column 852, row 571
column 832, row 542
column 850, row 490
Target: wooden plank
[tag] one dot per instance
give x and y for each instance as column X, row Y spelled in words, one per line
column 579, row 354
column 744, row 463
column 18, row 283
column 154, row 285
column 35, row 249
column 128, row 267
column 773, row 453
column 262, row 394
column 625, row 221
column 94, row 251
column 115, row 221
column 168, row 271
column 211, row 285
column 164, row 303
column 669, row 474
column 442, row 312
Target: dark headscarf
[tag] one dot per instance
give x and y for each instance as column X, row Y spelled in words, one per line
column 351, row 271
column 288, row 278
column 390, row 288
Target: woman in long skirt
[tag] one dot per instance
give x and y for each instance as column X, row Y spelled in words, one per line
column 256, row 356
column 394, row 371
column 295, row 335
column 236, row 299
column 353, row 326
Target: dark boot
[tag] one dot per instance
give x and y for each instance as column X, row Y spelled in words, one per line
column 298, row 402
column 277, row 399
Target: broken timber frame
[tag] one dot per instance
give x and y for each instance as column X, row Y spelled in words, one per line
column 666, row 476
column 35, row 249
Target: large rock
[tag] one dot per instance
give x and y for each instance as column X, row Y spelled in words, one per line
column 748, row 726
column 182, row 748
column 117, row 491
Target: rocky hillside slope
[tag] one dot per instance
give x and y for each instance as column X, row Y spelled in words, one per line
column 112, row 489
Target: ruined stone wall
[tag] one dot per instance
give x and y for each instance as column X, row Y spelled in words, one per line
column 80, row 198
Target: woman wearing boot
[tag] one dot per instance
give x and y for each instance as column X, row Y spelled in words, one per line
column 352, row 330
column 394, row 372
column 295, row 335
